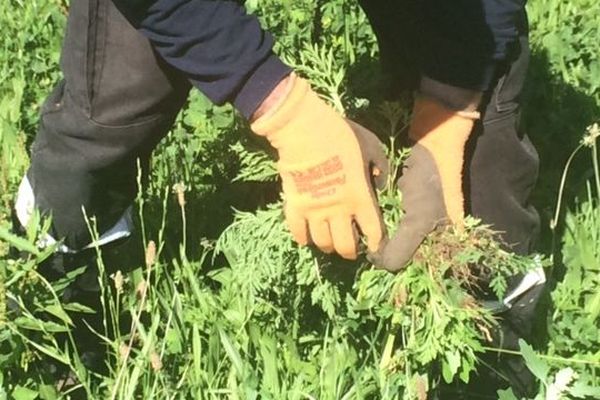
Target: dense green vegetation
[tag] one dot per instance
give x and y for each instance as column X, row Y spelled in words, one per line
column 222, row 304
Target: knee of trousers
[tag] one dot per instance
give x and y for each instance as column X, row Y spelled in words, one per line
column 77, row 165
column 112, row 72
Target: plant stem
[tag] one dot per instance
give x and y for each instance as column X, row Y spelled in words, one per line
column 554, row 220
column 596, row 167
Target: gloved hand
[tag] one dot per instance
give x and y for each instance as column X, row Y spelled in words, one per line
column 324, row 163
column 431, row 181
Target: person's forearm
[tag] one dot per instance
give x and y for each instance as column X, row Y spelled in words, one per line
column 221, row 49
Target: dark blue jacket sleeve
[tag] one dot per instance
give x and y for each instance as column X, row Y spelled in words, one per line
column 466, row 40
column 220, row 48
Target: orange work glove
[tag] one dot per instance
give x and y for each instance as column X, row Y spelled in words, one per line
column 324, row 171
column 431, row 181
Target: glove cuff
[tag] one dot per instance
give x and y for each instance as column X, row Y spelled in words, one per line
column 272, row 122
column 432, row 121
column 464, row 102
column 444, row 133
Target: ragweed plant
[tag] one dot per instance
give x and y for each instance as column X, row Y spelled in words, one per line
column 408, row 330
column 405, row 326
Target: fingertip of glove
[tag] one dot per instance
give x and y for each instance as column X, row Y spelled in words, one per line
column 349, row 256
column 373, row 259
column 376, row 239
column 326, row 249
column 347, row 252
column 301, row 242
column 380, row 261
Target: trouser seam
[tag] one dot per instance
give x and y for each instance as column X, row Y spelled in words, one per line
column 91, row 49
column 142, row 122
column 99, row 51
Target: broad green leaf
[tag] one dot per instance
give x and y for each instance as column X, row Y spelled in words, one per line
column 593, row 306
column 173, row 340
column 506, row 395
column 581, row 390
column 465, row 372
column 48, row 392
column 58, row 311
column 78, row 307
column 23, row 393
column 447, row 372
column 232, row 353
column 18, row 242
column 453, row 359
column 39, row 325
column 268, row 351
column 535, row 364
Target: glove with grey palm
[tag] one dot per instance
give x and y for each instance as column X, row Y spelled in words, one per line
column 431, row 180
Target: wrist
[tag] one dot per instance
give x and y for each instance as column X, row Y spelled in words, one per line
column 274, row 99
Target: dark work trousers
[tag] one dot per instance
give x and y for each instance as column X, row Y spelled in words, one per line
column 501, row 170
column 116, row 102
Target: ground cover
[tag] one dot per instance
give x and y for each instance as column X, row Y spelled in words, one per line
column 222, row 304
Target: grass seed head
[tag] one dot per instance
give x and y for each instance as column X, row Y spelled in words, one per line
column 421, row 388
column 141, row 289
column 118, row 280
column 150, row 254
column 400, row 296
column 592, row 133
column 179, row 189
column 155, row 362
column 124, row 350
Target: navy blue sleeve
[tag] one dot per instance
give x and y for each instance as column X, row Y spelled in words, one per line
column 466, row 40
column 220, row 48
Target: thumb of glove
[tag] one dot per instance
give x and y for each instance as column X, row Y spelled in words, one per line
column 373, row 151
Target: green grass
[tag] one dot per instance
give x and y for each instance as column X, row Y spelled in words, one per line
column 222, row 304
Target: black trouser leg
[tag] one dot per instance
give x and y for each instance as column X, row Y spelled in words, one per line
column 502, row 164
column 117, row 100
column 502, row 171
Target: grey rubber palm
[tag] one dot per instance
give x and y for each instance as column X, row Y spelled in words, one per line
column 423, row 203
